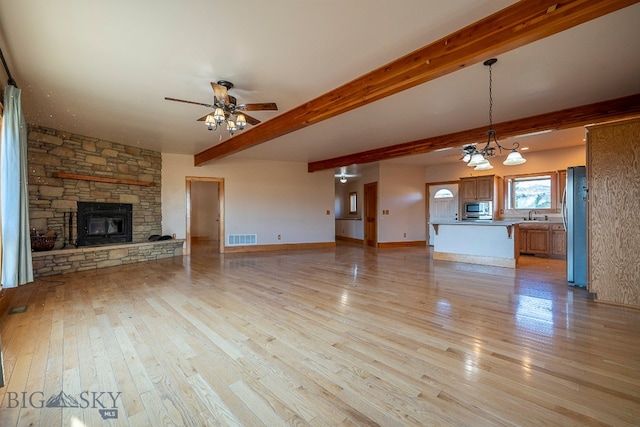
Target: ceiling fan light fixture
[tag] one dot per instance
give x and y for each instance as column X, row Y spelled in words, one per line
column 227, row 111
column 343, row 179
column 218, row 115
column 210, row 121
column 231, row 126
column 241, row 121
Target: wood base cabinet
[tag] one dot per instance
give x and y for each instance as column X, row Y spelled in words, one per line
column 558, row 241
column 543, row 239
column 534, row 239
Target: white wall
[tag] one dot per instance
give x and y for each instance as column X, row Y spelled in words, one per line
column 401, row 192
column 353, row 228
column 542, row 161
column 266, row 198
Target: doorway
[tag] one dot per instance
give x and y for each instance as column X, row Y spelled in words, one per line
column 205, row 214
column 371, row 214
column 442, row 205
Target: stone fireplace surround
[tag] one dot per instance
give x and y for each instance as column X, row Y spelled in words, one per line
column 134, row 176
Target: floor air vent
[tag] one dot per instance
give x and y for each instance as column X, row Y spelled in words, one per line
column 242, row 239
column 20, row 309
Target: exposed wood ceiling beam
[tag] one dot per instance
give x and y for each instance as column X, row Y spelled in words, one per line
column 515, row 26
column 563, row 119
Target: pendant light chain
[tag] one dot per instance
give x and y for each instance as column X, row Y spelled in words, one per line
column 479, row 158
column 490, row 99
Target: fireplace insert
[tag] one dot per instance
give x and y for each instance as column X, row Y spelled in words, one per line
column 104, row 223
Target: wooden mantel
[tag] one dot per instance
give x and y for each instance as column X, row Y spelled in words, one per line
column 102, row 179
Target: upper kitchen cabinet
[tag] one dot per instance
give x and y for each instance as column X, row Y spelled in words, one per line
column 482, row 188
column 479, row 188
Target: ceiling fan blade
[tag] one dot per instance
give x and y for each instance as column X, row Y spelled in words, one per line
column 189, row 102
column 259, row 106
column 251, row 120
column 203, row 118
column 220, row 93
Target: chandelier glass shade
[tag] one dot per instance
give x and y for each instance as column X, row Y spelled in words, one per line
column 478, row 158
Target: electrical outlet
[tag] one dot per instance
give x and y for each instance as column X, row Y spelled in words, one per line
column 405, row 234
column 328, row 212
column 279, row 237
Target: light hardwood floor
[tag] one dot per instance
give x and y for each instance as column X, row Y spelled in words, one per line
column 351, row 336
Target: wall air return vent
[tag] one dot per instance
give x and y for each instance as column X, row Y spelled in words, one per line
column 242, row 239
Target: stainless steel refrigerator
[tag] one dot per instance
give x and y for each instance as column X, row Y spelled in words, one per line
column 574, row 216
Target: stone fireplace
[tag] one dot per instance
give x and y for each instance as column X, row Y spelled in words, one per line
column 67, row 171
column 103, row 223
column 101, row 198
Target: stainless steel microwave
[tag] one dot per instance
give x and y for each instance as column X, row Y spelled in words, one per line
column 477, row 210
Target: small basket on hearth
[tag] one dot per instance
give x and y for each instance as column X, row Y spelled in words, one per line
column 43, row 242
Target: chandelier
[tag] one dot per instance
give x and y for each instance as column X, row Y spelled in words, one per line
column 478, row 158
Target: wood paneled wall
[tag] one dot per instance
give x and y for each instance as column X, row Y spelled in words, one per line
column 613, row 167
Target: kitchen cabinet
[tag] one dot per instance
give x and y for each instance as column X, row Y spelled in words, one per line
column 558, row 241
column 534, row 239
column 545, row 239
column 479, row 188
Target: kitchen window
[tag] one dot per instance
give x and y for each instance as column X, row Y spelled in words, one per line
column 531, row 192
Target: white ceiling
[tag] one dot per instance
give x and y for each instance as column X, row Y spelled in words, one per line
column 103, row 69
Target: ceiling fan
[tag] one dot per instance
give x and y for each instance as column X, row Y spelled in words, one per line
column 226, row 109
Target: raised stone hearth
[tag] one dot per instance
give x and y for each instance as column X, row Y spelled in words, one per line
column 90, row 258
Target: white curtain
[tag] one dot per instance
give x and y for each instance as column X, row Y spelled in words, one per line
column 14, row 198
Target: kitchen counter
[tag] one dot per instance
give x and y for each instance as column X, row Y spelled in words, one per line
column 477, row 242
column 481, row 222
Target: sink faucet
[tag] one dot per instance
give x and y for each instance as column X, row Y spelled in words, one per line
column 531, row 213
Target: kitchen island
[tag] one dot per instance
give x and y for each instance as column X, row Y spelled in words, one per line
column 492, row 243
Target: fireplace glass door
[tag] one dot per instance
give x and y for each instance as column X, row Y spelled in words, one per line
column 100, row 226
column 104, row 223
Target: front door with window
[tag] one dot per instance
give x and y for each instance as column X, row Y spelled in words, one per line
column 443, row 205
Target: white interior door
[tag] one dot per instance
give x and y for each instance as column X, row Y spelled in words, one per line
column 443, row 205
